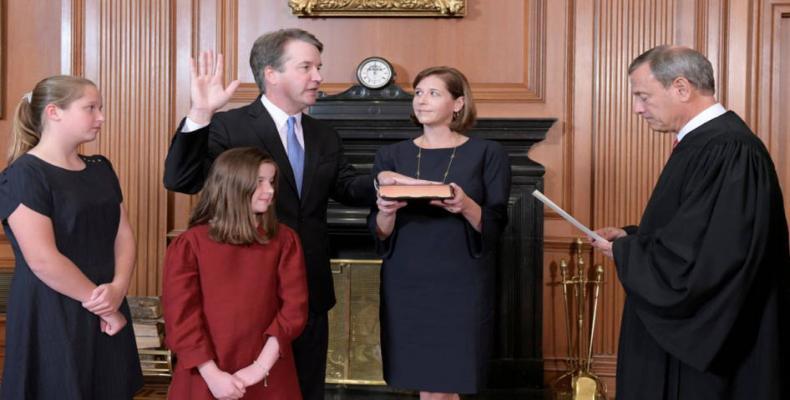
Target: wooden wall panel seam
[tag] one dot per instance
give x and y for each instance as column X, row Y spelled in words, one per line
column 195, row 24
column 227, row 37
column 568, row 143
column 770, row 50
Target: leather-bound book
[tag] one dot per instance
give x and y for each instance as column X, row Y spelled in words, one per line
column 407, row 192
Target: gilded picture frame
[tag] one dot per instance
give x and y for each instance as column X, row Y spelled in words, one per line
column 378, row 8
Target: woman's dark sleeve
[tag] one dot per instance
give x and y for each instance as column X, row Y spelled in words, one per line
column 493, row 209
column 382, row 162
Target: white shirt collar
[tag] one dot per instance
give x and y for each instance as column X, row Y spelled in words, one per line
column 706, row 115
column 280, row 118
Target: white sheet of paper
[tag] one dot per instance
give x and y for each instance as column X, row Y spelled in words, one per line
column 540, row 196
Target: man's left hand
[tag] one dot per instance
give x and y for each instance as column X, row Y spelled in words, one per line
column 394, row 178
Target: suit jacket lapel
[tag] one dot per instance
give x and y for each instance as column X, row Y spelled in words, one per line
column 311, row 152
column 266, row 131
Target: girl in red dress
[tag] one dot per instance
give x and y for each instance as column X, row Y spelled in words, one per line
column 235, row 292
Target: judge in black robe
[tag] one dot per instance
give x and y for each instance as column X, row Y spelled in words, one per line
column 706, row 271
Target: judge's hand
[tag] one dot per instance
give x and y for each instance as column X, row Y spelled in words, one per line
column 604, row 246
column 610, row 234
column 459, row 203
column 112, row 323
column 104, row 299
column 206, row 89
column 394, row 178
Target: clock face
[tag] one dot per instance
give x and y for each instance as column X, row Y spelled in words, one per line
column 374, row 73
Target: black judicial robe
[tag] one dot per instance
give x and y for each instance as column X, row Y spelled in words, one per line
column 706, row 275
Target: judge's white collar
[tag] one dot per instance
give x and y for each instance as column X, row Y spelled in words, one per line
column 701, row 118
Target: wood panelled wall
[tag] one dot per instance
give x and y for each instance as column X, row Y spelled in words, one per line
column 565, row 59
column 30, row 51
column 127, row 53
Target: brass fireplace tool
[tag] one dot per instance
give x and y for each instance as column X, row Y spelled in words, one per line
column 580, row 383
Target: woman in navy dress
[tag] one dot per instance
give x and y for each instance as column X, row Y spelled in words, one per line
column 438, row 256
column 68, row 334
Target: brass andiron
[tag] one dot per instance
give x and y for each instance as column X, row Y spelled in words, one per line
column 579, row 383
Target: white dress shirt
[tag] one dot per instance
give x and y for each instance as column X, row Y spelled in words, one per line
column 279, row 116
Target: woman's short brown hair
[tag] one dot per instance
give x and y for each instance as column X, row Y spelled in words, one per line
column 225, row 201
column 458, row 86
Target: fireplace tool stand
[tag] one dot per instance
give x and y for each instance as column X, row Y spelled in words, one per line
column 580, row 292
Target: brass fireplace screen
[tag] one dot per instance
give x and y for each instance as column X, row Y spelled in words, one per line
column 354, row 355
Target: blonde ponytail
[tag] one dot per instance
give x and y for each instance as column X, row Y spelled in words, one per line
column 24, row 132
column 59, row 90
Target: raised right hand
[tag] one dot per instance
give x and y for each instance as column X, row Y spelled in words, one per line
column 206, row 89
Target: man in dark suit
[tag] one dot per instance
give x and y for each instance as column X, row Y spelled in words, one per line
column 707, row 271
column 286, row 65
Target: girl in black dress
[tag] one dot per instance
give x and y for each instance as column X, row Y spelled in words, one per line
column 438, row 270
column 68, row 334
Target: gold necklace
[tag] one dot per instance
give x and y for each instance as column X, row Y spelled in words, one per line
column 449, row 164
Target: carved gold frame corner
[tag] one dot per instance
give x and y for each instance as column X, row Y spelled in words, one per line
column 378, row 8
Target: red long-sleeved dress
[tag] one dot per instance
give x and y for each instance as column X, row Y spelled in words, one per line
column 222, row 302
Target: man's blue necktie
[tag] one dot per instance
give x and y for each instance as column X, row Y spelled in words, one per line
column 295, row 154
